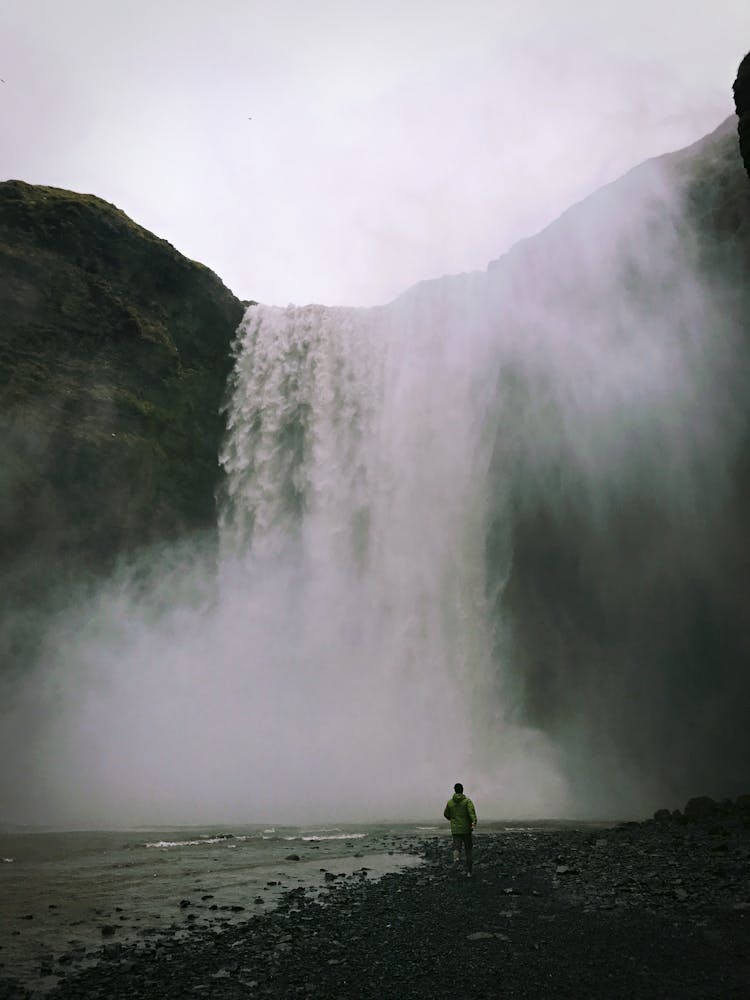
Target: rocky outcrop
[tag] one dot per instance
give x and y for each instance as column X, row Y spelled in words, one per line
column 741, row 90
column 621, row 593
column 115, row 352
column 702, row 808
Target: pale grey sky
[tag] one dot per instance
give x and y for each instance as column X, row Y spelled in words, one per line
column 389, row 141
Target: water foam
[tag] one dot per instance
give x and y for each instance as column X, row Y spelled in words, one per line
column 224, row 839
column 353, row 532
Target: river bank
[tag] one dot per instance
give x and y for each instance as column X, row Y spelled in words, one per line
column 69, row 900
column 660, row 909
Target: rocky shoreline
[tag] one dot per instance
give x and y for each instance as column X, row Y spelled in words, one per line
column 654, row 909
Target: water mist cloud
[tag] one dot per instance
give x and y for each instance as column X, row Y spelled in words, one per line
column 328, row 668
column 472, row 534
column 475, row 531
column 613, row 576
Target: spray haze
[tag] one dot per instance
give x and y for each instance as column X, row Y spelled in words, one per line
column 620, row 588
column 333, row 668
column 485, row 532
column 459, row 536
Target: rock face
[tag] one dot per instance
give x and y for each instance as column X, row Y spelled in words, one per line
column 115, row 352
column 742, row 104
column 620, row 596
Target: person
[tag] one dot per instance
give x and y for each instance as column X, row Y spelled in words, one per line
column 463, row 819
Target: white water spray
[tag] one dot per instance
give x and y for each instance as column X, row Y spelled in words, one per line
column 348, row 658
column 354, row 535
column 340, row 665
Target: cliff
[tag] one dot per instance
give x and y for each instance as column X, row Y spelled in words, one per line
column 115, row 352
column 622, row 606
column 741, row 90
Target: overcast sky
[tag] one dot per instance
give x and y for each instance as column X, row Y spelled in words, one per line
column 388, row 141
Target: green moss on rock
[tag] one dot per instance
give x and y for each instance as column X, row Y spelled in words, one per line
column 114, row 352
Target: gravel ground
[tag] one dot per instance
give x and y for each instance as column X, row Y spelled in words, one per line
column 652, row 910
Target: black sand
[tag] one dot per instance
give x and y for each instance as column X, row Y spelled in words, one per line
column 656, row 910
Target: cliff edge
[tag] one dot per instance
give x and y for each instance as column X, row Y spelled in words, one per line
column 114, row 352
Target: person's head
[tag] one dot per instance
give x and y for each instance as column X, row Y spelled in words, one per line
column 458, row 788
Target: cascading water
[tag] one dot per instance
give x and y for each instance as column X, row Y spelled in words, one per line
column 375, row 458
column 353, row 529
column 337, row 660
column 484, row 533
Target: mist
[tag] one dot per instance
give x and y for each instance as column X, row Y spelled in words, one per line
column 617, row 584
column 461, row 537
column 326, row 664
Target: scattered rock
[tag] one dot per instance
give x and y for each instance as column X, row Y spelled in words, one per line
column 486, row 936
column 610, row 909
column 701, row 807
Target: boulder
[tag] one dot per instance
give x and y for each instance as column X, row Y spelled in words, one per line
column 741, row 90
column 701, row 807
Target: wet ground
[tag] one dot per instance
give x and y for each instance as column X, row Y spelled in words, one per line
column 655, row 910
column 68, row 899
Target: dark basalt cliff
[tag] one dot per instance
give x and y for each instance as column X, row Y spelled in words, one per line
column 115, row 353
column 623, row 607
column 741, row 90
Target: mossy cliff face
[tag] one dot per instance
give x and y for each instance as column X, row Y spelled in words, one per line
column 114, row 352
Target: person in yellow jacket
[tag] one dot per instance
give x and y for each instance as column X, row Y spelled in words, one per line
column 463, row 819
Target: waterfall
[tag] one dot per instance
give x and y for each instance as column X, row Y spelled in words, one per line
column 353, row 527
column 337, row 658
column 489, row 532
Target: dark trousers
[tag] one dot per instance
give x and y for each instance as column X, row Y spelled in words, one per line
column 464, row 842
